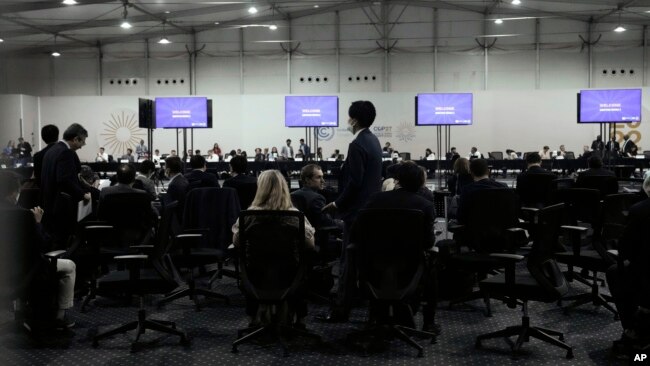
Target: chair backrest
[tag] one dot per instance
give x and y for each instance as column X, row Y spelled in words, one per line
column 535, row 189
column 540, row 263
column 490, row 212
column 405, row 155
column 496, row 155
column 246, row 193
column 130, row 213
column 582, row 204
column 616, row 208
column 569, row 155
column 390, row 260
column 215, row 209
column 604, row 183
column 271, row 245
column 562, row 183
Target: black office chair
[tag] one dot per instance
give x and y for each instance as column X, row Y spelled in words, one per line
column 534, row 190
column 562, row 183
column 605, row 184
column 29, row 198
column 274, row 263
column 569, row 155
column 495, row 155
column 207, row 221
column 131, row 215
column 543, row 282
column 159, row 277
column 391, row 264
column 491, row 226
column 246, row 193
column 584, row 208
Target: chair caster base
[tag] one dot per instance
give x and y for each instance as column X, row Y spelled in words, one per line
column 420, row 354
column 478, row 344
column 95, row 344
column 569, row 354
column 234, row 350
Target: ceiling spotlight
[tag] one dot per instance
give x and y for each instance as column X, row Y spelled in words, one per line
column 126, row 25
column 620, row 29
column 316, row 6
column 167, row 12
column 516, row 2
column 55, row 54
column 273, row 27
column 252, row 10
column 1, row 40
column 69, row 2
column 164, row 40
column 216, row 23
column 498, row 21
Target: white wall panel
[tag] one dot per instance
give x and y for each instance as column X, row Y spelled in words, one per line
column 564, row 69
column 217, row 75
column 459, row 72
column 512, row 70
column 622, row 62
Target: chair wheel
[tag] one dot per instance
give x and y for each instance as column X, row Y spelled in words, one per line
column 234, row 349
column 569, row 354
column 95, row 344
column 420, row 354
column 434, row 340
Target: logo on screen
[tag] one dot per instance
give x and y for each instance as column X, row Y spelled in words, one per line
column 120, row 131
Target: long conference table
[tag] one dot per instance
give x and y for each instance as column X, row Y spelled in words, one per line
column 623, row 167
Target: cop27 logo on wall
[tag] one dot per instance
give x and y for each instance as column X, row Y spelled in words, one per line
column 120, row 132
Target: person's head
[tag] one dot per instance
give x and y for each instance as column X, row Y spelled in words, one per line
column 238, row 164
column 10, row 143
column 272, row 191
column 626, row 137
column 428, row 152
column 274, row 150
column 238, row 151
column 197, row 152
column 258, row 150
column 410, row 176
column 215, row 146
column 197, row 162
column 126, row 174
column 156, row 152
column 75, row 135
column 585, row 148
column 243, row 153
column 189, row 152
column 599, row 138
column 362, row 115
column 474, row 149
column 101, row 150
column 479, row 169
column 50, row 134
column 453, row 150
column 21, row 140
column 319, row 150
column 232, row 153
column 288, row 142
column 266, row 150
column 509, row 151
column 147, row 167
column 646, row 185
column 86, row 173
column 546, row 148
column 141, row 142
column 595, row 162
column 302, row 141
column 172, row 153
column 562, row 148
column 387, row 144
column 533, row 158
column 173, row 166
column 311, row 176
column 613, row 138
column 129, row 151
column 461, row 166
column 9, row 186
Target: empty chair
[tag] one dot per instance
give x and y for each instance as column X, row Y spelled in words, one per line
column 605, row 184
column 495, row 155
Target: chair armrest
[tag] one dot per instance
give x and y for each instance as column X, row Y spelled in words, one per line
column 509, row 257
column 531, row 210
column 55, row 254
column 453, row 228
column 131, row 258
column 186, row 241
column 575, row 232
column 146, row 249
column 613, row 253
column 579, row 229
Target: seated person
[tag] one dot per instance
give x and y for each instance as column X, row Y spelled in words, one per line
column 452, row 154
column 65, row 268
column 511, row 155
column 125, row 179
column 595, row 164
column 311, row 177
column 144, row 178
column 245, row 184
column 199, row 177
column 273, row 194
column 178, row 184
column 474, row 154
column 461, row 177
column 102, row 156
column 128, row 156
column 527, row 190
column 630, row 283
column 481, row 175
column 545, row 153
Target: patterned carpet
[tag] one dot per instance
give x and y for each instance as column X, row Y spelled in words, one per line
column 588, row 329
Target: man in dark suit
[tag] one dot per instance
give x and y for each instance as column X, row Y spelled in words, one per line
column 481, row 174
column 596, row 168
column 630, row 283
column 24, row 149
column 361, row 177
column 311, row 177
column 50, row 135
column 612, row 147
column 125, row 179
column 60, row 174
column 409, row 178
column 533, row 185
column 178, row 184
column 629, row 147
column 244, row 184
column 199, row 177
column 598, row 145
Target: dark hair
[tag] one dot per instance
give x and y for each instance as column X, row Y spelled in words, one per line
column 533, row 158
column 128, row 150
column 50, row 133
column 595, row 162
column 478, row 167
column 307, row 172
column 197, row 162
column 174, row 164
column 461, row 166
column 9, row 183
column 74, row 130
column 87, row 174
column 410, row 176
column 238, row 164
column 509, row 151
column 126, row 173
column 363, row 111
column 147, row 166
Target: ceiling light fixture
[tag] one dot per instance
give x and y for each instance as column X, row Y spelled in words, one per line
column 164, row 39
column 55, row 54
column 620, row 29
column 273, row 27
column 217, row 23
column 1, row 40
column 498, row 21
column 516, row 2
column 252, row 10
column 69, row 2
column 316, row 6
column 125, row 23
